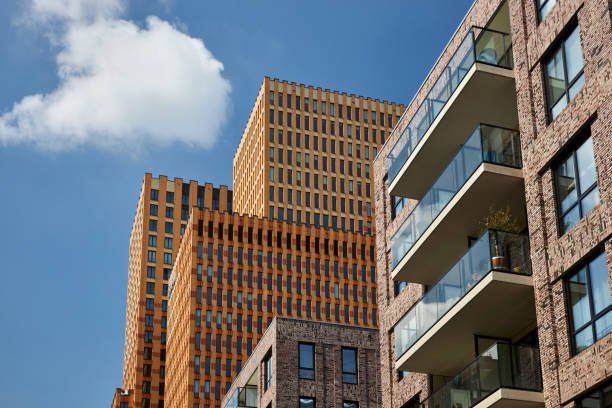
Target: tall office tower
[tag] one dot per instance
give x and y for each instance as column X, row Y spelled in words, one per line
column 306, row 154
column 493, row 212
column 234, row 273
column 322, row 149
column 160, row 221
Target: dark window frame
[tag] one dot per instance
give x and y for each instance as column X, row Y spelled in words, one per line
column 306, row 373
column 347, row 376
column 599, row 390
column 569, row 151
column 539, row 8
column 313, row 399
column 571, row 332
column 268, row 370
column 559, row 44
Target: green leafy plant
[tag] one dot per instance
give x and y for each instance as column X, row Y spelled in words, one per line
column 500, row 219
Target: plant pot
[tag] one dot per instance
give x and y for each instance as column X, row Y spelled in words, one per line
column 499, row 262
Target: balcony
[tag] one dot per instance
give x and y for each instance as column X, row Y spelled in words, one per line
column 504, row 376
column 476, row 86
column 485, row 172
column 488, row 292
column 243, row 397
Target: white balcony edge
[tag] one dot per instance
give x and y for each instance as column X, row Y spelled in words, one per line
column 491, row 69
column 511, row 394
column 511, row 278
column 484, row 167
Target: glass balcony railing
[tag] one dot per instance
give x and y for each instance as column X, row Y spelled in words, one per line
column 493, row 251
column 479, row 45
column 501, row 366
column 487, row 144
column 243, row 397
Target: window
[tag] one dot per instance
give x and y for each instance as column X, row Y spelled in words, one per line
column 397, row 203
column 576, row 185
column 349, row 365
column 307, row 402
column 564, row 74
column 590, row 303
column 146, row 387
column 544, row 7
column 350, row 404
column 306, row 356
column 600, row 398
column 268, row 371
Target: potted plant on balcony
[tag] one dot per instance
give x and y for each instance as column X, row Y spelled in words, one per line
column 499, row 220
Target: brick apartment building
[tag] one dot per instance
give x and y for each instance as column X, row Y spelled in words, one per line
column 493, row 212
column 303, row 169
column 303, row 363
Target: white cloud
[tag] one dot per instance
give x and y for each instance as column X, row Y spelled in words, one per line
column 121, row 86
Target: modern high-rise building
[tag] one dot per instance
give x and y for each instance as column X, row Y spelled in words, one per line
column 315, row 201
column 493, row 216
column 234, row 273
column 305, row 364
column 161, row 217
column 306, row 155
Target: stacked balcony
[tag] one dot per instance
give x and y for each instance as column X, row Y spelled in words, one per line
column 477, row 85
column 461, row 159
column 488, row 292
column 484, row 173
column 504, row 376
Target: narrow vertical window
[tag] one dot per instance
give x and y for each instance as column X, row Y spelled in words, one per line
column 564, row 74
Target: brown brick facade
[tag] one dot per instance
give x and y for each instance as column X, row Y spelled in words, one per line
column 554, row 254
column 281, row 341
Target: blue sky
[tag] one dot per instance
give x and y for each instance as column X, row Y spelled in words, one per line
column 66, row 214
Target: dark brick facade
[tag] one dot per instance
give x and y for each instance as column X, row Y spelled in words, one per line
column 281, row 340
column 553, row 253
column 565, row 376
